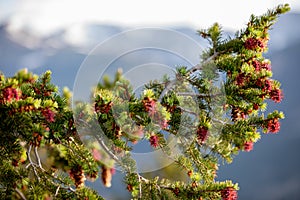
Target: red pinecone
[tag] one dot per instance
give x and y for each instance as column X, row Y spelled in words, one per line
column 229, row 194
column 253, row 43
column 241, row 79
column 149, row 105
column 154, row 141
column 276, row 95
column 78, row 176
column 163, row 124
column 256, row 64
column 106, row 176
column 261, row 65
column 268, row 85
column 237, row 114
column 273, row 125
column 266, row 65
column 104, row 108
column 248, row 146
column 255, row 106
column 9, row 93
column 48, row 114
column 202, row 133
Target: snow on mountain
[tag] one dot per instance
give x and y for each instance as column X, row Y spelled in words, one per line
column 271, row 171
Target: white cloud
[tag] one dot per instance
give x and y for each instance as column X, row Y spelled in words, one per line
column 43, row 17
column 76, row 35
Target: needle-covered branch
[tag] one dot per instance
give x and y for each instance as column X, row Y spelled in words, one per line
column 212, row 111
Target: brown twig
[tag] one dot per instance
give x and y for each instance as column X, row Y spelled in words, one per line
column 20, row 193
column 33, row 165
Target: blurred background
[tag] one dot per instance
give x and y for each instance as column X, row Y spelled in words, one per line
column 59, row 34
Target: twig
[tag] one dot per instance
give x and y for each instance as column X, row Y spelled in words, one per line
column 31, row 163
column 166, row 187
column 20, row 193
column 39, row 166
column 143, row 178
column 140, row 186
column 168, row 86
column 197, row 95
column 218, row 120
column 195, row 68
column 103, row 145
column 38, row 158
column 199, row 66
column 56, row 191
column 28, row 156
column 84, row 122
column 188, row 111
column 113, row 156
column 192, row 94
column 59, row 185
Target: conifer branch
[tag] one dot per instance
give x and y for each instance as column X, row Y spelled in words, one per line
column 219, row 121
column 190, row 94
column 168, row 87
column 187, row 111
column 200, row 66
column 197, row 67
column 248, row 84
column 38, row 158
column 106, row 149
column 59, row 185
column 57, row 190
column 20, row 193
column 140, row 186
column 31, row 163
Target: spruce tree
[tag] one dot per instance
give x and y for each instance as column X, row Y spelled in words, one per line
column 44, row 157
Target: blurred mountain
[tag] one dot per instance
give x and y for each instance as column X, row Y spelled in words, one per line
column 270, row 171
column 285, row 32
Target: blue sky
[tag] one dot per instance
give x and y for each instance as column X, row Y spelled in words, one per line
column 44, row 17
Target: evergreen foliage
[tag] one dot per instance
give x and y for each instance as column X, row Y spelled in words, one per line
column 208, row 128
